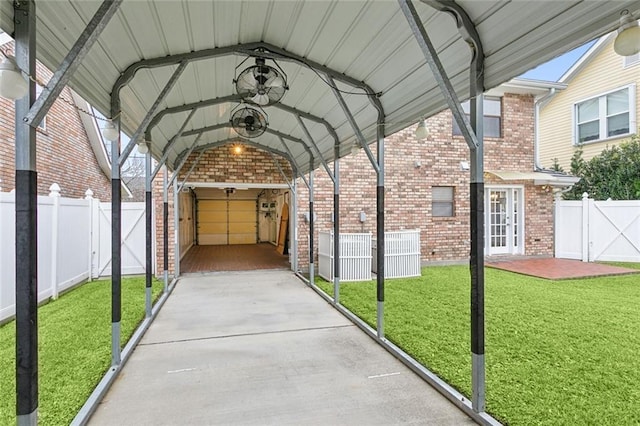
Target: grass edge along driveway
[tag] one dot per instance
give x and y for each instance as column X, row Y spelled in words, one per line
column 74, row 339
column 557, row 352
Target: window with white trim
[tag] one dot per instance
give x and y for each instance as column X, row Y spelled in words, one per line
column 610, row 115
column 492, row 117
column 442, row 201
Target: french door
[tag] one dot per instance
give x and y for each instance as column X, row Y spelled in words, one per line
column 504, row 226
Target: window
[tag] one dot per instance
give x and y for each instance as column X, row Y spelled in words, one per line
column 606, row 116
column 492, row 117
column 442, row 201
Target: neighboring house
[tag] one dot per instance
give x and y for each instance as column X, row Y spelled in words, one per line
column 427, row 183
column 70, row 151
column 599, row 108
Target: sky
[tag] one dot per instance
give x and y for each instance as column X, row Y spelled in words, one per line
column 555, row 68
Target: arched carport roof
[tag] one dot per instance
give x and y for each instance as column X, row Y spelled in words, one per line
column 363, row 46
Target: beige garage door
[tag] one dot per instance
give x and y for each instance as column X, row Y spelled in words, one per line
column 222, row 222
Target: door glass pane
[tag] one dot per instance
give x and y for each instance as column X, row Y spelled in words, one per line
column 516, row 201
column 588, row 110
column 589, row 131
column 498, row 218
column 618, row 124
column 618, row 102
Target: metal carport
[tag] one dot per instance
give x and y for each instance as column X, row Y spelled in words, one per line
column 356, row 74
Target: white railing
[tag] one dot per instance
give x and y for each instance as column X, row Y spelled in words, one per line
column 73, row 243
column 355, row 256
column 592, row 231
column 401, row 254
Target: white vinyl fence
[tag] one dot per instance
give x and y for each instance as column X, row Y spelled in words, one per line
column 74, row 244
column 355, row 256
column 401, row 254
column 591, row 230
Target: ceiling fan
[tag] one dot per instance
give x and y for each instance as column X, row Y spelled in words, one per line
column 249, row 121
column 261, row 84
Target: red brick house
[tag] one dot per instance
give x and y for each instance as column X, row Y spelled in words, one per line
column 237, row 198
column 69, row 148
column 427, row 183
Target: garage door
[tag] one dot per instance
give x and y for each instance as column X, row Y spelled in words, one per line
column 222, row 222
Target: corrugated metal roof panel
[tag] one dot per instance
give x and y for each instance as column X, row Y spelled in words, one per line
column 368, row 41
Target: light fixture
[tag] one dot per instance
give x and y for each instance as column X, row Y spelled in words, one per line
column 143, row 148
column 12, row 83
column 355, row 148
column 109, row 131
column 627, row 41
column 421, row 130
column 237, row 149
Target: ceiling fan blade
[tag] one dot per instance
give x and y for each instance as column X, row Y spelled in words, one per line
column 275, row 81
column 260, row 99
column 246, row 81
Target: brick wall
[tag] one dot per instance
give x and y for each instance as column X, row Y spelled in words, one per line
column 412, row 167
column 218, row 165
column 64, row 155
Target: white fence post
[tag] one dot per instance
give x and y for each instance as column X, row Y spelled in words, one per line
column 88, row 195
column 585, row 227
column 55, row 194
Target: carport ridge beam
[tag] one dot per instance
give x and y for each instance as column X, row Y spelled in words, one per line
column 150, row 113
column 26, row 218
column 473, row 134
column 71, row 62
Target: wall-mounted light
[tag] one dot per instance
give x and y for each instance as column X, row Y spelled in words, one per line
column 237, row 149
column 109, row 132
column 12, row 83
column 421, row 130
column 464, row 165
column 355, row 148
column 627, row 41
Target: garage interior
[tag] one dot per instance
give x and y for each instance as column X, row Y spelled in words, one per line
column 234, row 227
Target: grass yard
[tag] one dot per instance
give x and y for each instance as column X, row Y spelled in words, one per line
column 75, row 347
column 557, row 352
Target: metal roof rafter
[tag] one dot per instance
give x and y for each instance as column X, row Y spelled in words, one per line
column 165, row 152
column 147, row 118
column 315, row 146
column 71, row 62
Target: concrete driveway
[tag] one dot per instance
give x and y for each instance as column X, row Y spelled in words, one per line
column 262, row 348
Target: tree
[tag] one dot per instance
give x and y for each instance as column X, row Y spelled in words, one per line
column 614, row 173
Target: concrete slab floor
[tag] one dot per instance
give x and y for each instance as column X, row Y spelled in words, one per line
column 262, row 348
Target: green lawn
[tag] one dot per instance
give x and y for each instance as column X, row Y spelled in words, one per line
column 75, row 347
column 557, row 352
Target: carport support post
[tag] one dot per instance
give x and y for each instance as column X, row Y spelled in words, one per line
column 473, row 135
column 311, row 266
column 294, row 227
column 116, row 247
column 336, row 225
column 165, row 226
column 476, row 258
column 26, row 225
column 149, row 227
column 176, row 226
